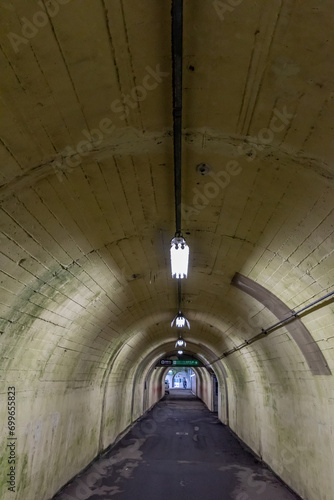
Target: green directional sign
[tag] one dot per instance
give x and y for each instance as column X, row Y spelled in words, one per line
column 186, row 362
column 179, row 362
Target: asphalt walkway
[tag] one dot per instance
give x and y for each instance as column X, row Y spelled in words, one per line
column 178, row 451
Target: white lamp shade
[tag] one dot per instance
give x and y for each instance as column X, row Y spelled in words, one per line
column 179, row 257
column 180, row 321
column 180, row 343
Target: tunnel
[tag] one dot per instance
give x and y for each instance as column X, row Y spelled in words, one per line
column 96, row 128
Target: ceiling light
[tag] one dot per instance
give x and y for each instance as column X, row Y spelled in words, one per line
column 179, row 256
column 180, row 342
column 180, row 352
column 180, row 321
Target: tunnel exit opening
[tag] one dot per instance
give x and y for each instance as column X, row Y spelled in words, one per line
column 181, row 378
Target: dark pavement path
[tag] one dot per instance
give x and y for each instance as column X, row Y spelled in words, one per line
column 178, row 451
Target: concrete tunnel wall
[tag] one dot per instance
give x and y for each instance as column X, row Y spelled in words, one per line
column 86, row 297
column 259, row 408
column 67, row 424
column 284, row 416
column 276, row 406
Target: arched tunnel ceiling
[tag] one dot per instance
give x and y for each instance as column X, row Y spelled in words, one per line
column 87, row 188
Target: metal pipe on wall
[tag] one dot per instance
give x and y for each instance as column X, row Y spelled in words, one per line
column 266, row 331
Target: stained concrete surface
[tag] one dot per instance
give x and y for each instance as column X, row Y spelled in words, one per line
column 179, row 450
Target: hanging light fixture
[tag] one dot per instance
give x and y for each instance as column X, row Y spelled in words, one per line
column 180, row 321
column 179, row 250
column 180, row 342
column 179, row 257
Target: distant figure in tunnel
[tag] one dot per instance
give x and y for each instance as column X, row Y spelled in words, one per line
column 184, row 383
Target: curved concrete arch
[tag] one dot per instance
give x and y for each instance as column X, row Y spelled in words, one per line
column 209, row 355
column 204, row 353
column 159, row 325
column 301, row 335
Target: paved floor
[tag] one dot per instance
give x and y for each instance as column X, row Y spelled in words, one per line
column 179, row 451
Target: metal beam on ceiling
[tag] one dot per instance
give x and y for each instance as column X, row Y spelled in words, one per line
column 177, row 56
column 177, row 53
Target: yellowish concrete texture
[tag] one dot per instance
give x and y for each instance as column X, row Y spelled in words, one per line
column 87, row 214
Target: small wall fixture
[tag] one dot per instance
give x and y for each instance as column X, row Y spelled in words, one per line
column 179, row 257
column 180, row 321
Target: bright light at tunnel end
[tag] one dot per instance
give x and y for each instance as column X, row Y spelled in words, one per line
column 179, row 257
